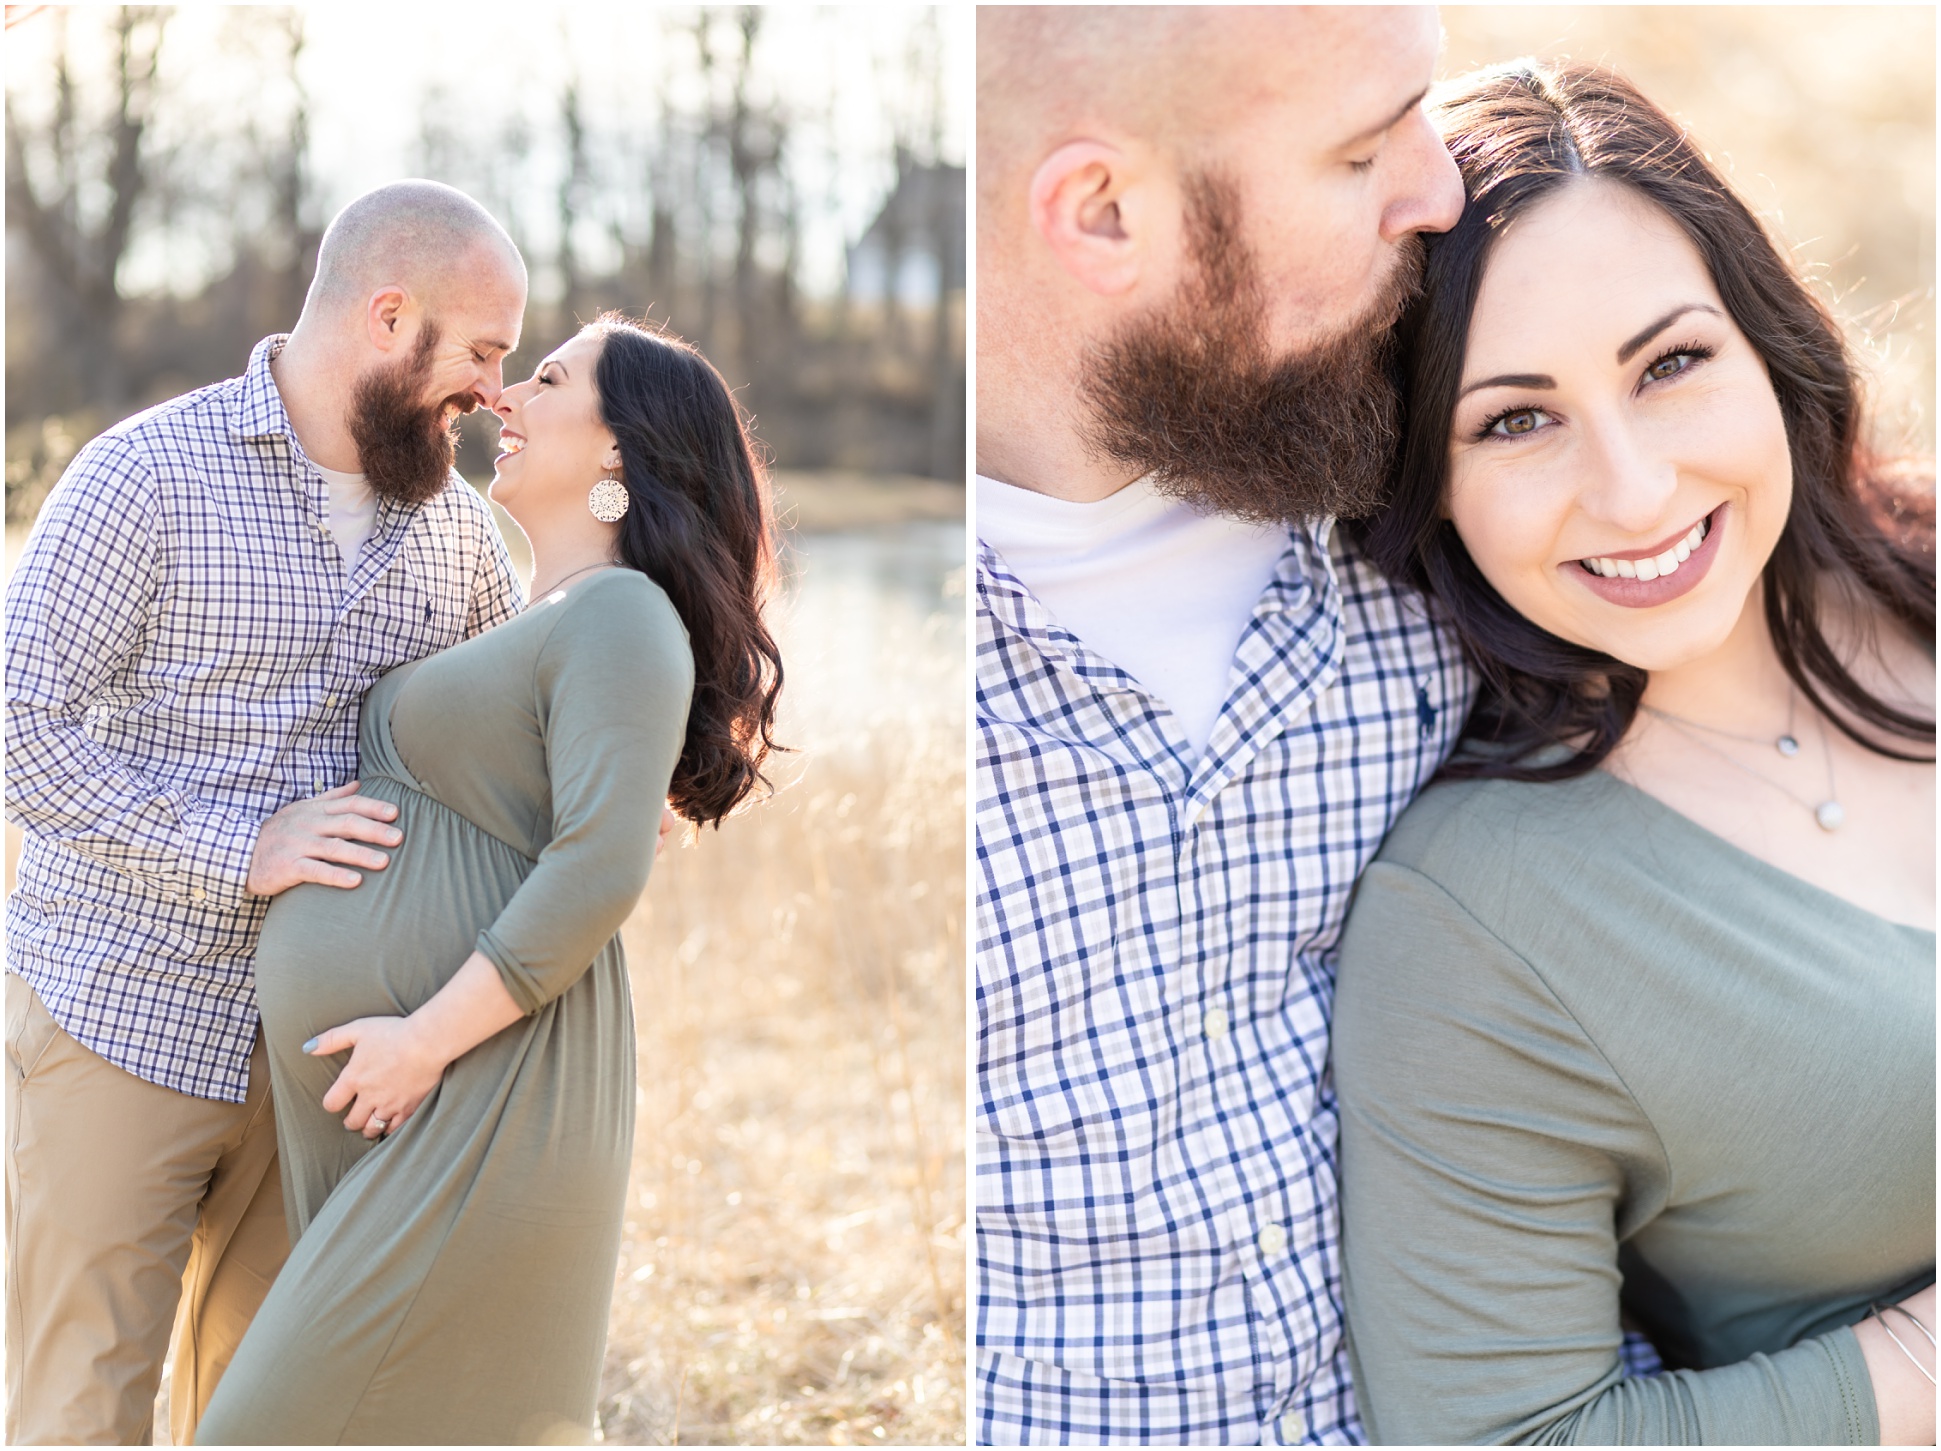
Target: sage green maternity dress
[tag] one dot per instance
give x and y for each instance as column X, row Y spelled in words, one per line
column 1595, row 1062
column 451, row 1283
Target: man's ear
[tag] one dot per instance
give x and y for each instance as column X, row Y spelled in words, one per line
column 384, row 316
column 1080, row 206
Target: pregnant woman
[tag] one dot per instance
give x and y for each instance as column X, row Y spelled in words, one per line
column 451, row 1041
column 1635, row 1019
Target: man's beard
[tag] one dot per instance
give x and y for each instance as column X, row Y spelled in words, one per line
column 404, row 444
column 1191, row 394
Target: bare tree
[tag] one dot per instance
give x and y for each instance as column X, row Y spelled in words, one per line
column 291, row 226
column 573, row 185
column 80, row 257
column 709, row 230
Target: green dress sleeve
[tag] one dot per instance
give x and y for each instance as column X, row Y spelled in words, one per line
column 611, row 686
column 1491, row 1160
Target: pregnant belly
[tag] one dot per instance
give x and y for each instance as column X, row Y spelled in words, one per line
column 328, row 955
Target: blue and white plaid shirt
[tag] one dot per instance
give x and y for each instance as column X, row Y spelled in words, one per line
column 185, row 656
column 1157, row 1233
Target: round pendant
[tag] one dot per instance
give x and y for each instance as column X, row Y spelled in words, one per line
column 1829, row 815
column 1787, row 746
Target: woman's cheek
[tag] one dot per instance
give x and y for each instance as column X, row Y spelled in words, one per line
column 1732, row 434
column 1501, row 516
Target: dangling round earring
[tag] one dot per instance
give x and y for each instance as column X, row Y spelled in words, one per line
column 608, row 501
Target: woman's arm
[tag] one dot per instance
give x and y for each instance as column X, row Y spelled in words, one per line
column 1491, row 1161
column 611, row 689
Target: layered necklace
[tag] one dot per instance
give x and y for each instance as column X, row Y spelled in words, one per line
column 1828, row 813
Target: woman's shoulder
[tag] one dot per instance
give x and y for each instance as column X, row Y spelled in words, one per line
column 1472, row 831
column 1480, row 915
column 618, row 615
column 618, row 600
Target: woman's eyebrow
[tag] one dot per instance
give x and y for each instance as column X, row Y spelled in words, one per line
column 1625, row 353
column 1511, row 380
column 554, row 363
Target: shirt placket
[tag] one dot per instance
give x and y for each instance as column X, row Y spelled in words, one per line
column 333, row 757
column 1269, row 1220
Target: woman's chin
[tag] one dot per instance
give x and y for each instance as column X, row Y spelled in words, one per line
column 1670, row 645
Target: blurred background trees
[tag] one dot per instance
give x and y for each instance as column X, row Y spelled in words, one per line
column 166, row 191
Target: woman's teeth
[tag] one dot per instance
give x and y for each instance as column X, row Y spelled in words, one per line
column 1657, row 566
column 510, row 444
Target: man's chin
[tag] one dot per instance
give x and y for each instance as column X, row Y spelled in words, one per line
column 1305, row 439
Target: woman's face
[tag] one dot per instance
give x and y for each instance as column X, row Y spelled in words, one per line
column 1618, row 462
column 553, row 446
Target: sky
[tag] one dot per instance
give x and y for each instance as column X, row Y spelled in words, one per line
column 841, row 70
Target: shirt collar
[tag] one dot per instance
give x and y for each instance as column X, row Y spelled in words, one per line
column 1011, row 601
column 258, row 411
column 1291, row 652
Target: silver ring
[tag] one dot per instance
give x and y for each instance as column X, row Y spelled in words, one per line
column 382, row 1123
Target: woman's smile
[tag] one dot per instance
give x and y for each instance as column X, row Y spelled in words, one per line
column 1640, row 578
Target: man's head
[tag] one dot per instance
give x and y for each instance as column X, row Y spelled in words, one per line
column 421, row 294
column 1192, row 225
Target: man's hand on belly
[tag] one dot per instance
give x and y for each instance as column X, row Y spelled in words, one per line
column 319, row 839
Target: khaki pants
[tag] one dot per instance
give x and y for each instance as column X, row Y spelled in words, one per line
column 126, row 1201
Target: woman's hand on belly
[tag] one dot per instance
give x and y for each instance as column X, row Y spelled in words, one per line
column 393, row 1067
column 396, row 1062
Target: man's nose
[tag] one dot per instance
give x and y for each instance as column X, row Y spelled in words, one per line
column 1430, row 198
column 489, row 385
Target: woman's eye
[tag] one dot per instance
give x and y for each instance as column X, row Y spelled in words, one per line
column 1667, row 366
column 1510, row 425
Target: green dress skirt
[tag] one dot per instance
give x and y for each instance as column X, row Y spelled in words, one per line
column 451, row 1282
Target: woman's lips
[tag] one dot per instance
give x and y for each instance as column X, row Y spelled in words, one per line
column 510, row 445
column 1639, row 594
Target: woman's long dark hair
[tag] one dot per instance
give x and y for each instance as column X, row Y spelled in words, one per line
column 698, row 525
column 1518, row 133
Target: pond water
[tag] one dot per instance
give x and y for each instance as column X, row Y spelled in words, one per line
column 871, row 623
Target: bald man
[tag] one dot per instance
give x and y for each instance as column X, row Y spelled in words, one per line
column 1198, row 707
column 203, row 602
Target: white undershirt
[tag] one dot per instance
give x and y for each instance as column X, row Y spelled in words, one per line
column 1155, row 586
column 353, row 512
